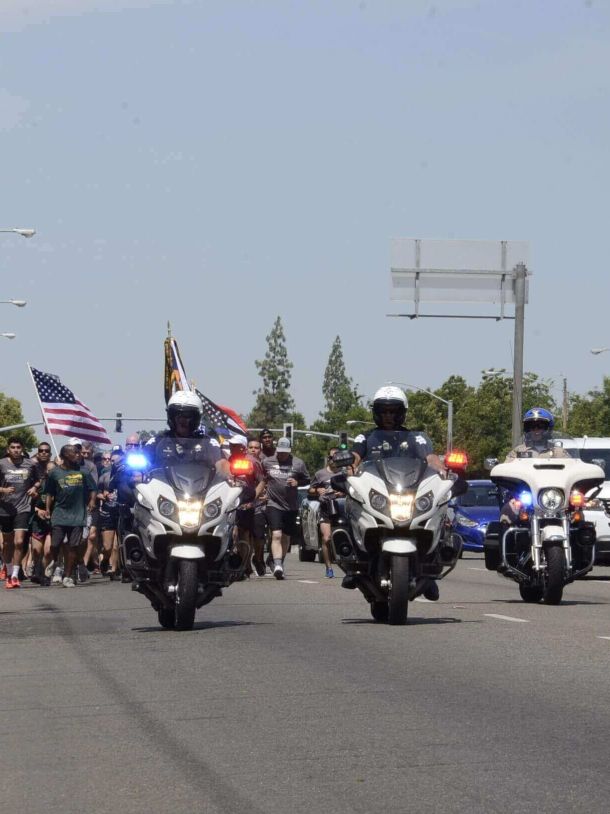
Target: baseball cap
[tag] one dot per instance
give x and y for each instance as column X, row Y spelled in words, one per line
column 239, row 439
column 117, row 448
column 75, row 442
column 264, row 431
column 283, row 445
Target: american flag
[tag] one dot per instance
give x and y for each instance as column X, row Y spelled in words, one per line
column 218, row 418
column 63, row 413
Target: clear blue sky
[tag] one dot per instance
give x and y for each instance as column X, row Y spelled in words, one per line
column 218, row 163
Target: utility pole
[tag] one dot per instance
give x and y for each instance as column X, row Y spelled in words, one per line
column 564, row 408
column 520, row 290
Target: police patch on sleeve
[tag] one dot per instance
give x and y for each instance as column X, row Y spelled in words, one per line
column 214, row 443
column 359, row 439
column 420, row 439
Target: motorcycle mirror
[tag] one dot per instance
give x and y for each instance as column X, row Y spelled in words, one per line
column 489, row 463
column 339, row 482
column 460, row 487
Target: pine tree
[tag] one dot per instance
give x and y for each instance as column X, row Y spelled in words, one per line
column 339, row 394
column 274, row 404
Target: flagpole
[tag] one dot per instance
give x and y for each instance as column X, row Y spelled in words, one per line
column 44, row 418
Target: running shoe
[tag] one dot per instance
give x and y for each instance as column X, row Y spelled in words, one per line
column 278, row 572
column 68, row 582
column 82, row 575
column 259, row 567
column 330, row 573
column 48, row 571
column 3, row 574
column 12, row 582
column 57, row 577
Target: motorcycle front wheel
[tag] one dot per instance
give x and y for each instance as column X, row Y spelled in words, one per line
column 555, row 570
column 186, row 595
column 398, row 598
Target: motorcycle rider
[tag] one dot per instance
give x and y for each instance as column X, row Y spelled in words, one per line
column 538, row 426
column 184, row 414
column 389, row 412
column 390, row 435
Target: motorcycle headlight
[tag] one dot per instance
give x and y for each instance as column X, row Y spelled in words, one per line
column 466, row 521
column 424, row 503
column 378, row 501
column 166, row 507
column 551, row 499
column 189, row 513
column 212, row 510
column 401, row 507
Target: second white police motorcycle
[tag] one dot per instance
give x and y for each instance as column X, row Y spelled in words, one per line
column 179, row 552
column 394, row 537
column 548, row 544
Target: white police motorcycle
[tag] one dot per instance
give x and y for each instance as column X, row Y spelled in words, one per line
column 178, row 552
column 394, row 537
column 549, row 544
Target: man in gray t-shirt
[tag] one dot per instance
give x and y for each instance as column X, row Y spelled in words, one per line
column 17, row 488
column 284, row 473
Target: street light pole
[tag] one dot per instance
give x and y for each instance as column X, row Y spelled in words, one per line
column 19, row 231
column 8, row 335
column 448, row 402
column 18, row 303
column 520, row 290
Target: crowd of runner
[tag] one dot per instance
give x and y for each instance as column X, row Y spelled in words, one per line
column 59, row 515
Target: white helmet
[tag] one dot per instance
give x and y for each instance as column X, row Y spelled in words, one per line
column 185, row 402
column 390, row 396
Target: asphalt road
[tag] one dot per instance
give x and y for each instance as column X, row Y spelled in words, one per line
column 288, row 698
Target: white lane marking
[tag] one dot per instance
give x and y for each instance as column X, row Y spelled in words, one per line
column 604, row 637
column 308, row 581
column 505, row 618
column 470, row 568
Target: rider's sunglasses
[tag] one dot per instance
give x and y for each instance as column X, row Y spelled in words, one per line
column 536, row 425
column 44, row 451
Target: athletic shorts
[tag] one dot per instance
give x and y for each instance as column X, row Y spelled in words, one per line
column 95, row 518
column 73, row 533
column 281, row 520
column 108, row 521
column 244, row 519
column 259, row 527
column 16, row 522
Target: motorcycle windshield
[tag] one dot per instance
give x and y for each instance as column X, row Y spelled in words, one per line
column 399, row 472
column 541, row 444
column 188, row 465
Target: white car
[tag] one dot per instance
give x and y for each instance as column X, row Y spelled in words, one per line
column 597, row 510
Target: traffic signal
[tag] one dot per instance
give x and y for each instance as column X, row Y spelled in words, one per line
column 288, row 431
column 343, row 444
column 118, row 424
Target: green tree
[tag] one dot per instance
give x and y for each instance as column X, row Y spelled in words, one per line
column 484, row 425
column 339, row 394
column 590, row 414
column 10, row 413
column 274, row 404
